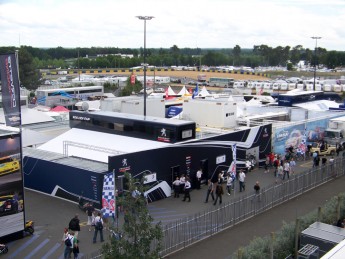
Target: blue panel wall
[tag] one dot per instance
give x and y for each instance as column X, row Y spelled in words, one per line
column 62, row 181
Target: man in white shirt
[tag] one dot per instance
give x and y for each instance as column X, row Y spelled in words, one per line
column 98, row 227
column 198, row 178
column 187, row 188
column 69, row 249
column 241, row 178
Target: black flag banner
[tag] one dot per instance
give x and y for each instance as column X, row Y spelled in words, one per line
column 10, row 89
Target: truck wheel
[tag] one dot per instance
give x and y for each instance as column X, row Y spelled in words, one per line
column 332, row 153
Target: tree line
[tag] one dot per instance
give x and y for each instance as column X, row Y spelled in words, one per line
column 31, row 59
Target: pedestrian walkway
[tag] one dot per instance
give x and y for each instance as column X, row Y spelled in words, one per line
column 172, row 209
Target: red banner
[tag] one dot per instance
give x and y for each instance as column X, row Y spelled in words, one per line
column 132, row 79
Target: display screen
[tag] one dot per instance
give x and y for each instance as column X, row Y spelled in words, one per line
column 11, row 186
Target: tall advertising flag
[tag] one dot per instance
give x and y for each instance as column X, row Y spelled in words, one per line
column 232, row 167
column 10, row 89
column 196, row 91
column 108, row 196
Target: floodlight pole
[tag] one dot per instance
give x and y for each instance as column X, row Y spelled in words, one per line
column 315, row 38
column 145, row 18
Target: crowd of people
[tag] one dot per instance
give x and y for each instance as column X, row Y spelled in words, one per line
column 282, row 166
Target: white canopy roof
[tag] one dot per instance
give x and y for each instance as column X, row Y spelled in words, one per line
column 320, row 105
column 29, row 116
column 203, row 92
column 87, row 144
column 183, row 91
column 171, row 91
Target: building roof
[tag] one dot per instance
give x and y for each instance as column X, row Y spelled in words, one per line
column 320, row 105
column 29, row 116
column 97, row 145
column 86, row 164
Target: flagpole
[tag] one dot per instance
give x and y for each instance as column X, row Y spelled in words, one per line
column 20, row 128
column 115, row 208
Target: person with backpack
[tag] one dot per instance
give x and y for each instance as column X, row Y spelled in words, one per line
column 68, row 245
column 98, row 227
column 75, row 248
column 74, row 225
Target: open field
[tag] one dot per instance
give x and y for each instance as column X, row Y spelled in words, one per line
column 194, row 74
column 191, row 75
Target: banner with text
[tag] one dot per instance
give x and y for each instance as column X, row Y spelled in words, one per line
column 108, row 196
column 10, row 89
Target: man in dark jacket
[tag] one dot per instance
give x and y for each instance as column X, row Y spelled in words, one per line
column 74, row 225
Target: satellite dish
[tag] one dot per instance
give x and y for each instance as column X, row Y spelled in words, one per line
column 85, row 106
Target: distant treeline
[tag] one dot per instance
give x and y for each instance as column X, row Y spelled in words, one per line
column 260, row 55
column 97, row 57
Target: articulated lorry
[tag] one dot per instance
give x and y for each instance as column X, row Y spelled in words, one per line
column 334, row 134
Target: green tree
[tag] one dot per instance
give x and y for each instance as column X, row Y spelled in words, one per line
column 140, row 237
column 129, row 88
column 28, row 74
column 175, row 52
column 236, row 52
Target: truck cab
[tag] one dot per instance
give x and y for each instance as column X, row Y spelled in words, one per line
column 334, row 136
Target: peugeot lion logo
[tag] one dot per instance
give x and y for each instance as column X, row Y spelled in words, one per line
column 124, row 162
column 163, row 132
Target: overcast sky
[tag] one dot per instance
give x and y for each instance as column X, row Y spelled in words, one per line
column 185, row 23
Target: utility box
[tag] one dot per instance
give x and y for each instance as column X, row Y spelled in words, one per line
column 322, row 235
column 309, row 252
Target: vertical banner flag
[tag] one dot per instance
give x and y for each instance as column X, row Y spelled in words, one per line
column 10, row 89
column 108, row 196
column 196, row 91
column 232, row 167
column 132, row 79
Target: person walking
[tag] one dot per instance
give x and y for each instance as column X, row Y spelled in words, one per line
column 241, row 178
column 176, row 187
column 229, row 181
column 280, row 172
column 68, row 245
column 198, row 178
column 292, row 164
column 75, row 248
column 257, row 190
column 182, row 183
column 74, row 225
column 209, row 190
column 89, row 212
column 219, row 193
column 286, row 169
column 187, row 187
column 98, row 228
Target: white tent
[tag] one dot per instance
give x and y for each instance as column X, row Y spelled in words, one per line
column 203, row 92
column 171, row 91
column 183, row 91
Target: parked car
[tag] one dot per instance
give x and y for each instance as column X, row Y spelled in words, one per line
column 159, row 90
column 328, row 150
column 149, row 90
column 9, row 205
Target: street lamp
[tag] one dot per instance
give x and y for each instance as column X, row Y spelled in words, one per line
column 145, row 18
column 315, row 38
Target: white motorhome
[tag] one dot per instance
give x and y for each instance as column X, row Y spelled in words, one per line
column 335, row 132
column 291, row 86
column 284, row 86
